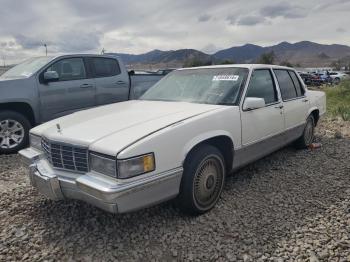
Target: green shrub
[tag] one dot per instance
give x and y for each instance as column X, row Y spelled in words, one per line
column 338, row 100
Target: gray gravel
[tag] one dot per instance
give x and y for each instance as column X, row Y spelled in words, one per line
column 291, row 206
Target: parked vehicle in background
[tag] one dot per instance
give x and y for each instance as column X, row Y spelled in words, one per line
column 44, row 88
column 181, row 138
column 165, row 71
column 324, row 77
column 338, row 76
column 310, row 79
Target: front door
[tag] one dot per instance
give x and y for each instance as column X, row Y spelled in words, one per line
column 73, row 91
column 262, row 128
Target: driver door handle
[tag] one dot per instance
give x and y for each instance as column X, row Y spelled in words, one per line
column 86, row 86
column 120, row 83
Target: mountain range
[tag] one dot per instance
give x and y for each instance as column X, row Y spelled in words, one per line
column 305, row 53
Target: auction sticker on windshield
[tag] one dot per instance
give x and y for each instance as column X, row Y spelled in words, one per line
column 225, row 78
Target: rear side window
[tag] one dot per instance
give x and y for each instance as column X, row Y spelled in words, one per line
column 297, row 84
column 262, row 86
column 286, row 84
column 105, row 67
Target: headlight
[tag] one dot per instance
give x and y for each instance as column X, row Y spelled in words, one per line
column 103, row 164
column 136, row 166
column 35, row 141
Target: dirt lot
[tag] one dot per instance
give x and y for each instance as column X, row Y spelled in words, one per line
column 290, row 206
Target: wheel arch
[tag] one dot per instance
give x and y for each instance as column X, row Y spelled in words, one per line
column 221, row 140
column 20, row 107
column 315, row 112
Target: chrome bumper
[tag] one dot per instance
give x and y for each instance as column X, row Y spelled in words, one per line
column 116, row 196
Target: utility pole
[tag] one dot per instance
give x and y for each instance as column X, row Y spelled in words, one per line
column 45, row 49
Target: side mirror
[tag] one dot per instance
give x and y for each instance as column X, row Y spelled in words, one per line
column 51, row 76
column 251, row 103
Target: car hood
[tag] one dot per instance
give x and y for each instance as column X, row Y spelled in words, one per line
column 14, row 78
column 109, row 129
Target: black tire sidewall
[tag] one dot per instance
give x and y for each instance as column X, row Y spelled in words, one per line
column 303, row 143
column 186, row 199
column 26, row 125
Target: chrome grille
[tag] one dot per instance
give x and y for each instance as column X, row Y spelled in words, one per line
column 65, row 156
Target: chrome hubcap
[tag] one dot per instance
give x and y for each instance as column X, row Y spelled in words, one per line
column 208, row 182
column 11, row 133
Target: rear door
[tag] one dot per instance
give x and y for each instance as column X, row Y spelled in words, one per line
column 73, row 91
column 296, row 105
column 112, row 83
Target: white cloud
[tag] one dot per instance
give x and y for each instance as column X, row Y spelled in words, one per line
column 140, row 26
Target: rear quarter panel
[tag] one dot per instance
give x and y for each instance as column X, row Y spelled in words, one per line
column 317, row 101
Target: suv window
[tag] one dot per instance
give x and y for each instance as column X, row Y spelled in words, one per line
column 261, row 85
column 105, row 67
column 286, row 84
column 69, row 69
column 297, row 84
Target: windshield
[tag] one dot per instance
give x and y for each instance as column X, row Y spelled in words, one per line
column 206, row 86
column 27, row 68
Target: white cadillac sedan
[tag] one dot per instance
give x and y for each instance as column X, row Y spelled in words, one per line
column 181, row 139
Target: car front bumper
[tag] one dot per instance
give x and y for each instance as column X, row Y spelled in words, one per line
column 112, row 195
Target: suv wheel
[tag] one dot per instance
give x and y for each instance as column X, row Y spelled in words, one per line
column 202, row 181
column 14, row 132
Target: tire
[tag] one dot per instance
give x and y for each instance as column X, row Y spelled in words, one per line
column 307, row 137
column 14, row 132
column 202, row 181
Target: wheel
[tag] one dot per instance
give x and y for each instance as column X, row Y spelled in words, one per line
column 202, row 180
column 14, row 132
column 307, row 137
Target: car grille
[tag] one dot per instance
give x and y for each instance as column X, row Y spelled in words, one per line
column 65, row 156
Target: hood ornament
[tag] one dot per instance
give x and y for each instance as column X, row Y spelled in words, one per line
column 59, row 130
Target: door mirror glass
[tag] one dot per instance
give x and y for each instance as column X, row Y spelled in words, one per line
column 50, row 76
column 251, row 103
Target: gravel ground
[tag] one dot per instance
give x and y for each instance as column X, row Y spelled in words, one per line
column 290, row 206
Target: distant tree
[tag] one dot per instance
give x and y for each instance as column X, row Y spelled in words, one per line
column 336, row 65
column 267, row 58
column 225, row 62
column 297, row 65
column 286, row 63
column 196, row 62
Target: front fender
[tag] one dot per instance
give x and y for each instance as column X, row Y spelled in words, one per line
column 201, row 138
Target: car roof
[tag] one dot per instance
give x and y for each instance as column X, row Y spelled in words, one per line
column 248, row 66
column 86, row 55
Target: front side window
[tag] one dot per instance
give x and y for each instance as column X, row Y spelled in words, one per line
column 286, row 84
column 69, row 69
column 105, row 67
column 204, row 85
column 262, row 86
